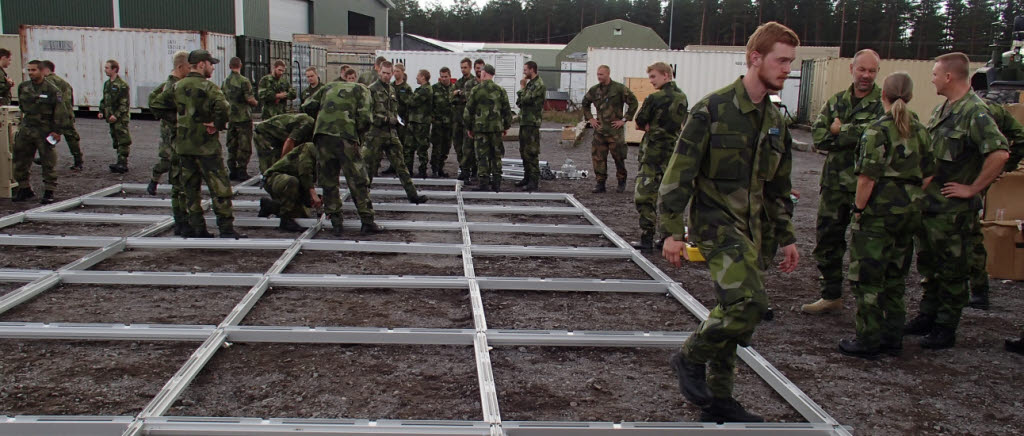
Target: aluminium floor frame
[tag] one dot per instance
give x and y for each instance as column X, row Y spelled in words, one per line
column 151, row 420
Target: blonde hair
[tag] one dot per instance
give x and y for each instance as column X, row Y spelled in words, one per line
column 180, row 58
column 660, row 67
column 955, row 63
column 765, row 37
column 899, row 89
column 425, row 74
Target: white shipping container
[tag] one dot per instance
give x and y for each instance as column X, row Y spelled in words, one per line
column 143, row 54
column 697, row 73
column 508, row 66
column 574, row 80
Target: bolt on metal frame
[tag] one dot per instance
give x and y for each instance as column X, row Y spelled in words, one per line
column 151, row 420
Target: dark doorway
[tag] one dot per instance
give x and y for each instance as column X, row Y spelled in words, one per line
column 359, row 24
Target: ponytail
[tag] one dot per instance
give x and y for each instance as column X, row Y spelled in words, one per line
column 901, row 117
column 898, row 90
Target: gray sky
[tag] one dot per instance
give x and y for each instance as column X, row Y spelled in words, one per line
column 445, row 3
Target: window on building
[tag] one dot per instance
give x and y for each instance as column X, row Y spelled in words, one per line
column 359, row 24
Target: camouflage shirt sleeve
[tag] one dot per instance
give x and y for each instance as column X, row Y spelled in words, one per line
column 218, row 107
column 646, row 113
column 506, row 110
column 631, row 103
column 677, row 185
column 777, row 192
column 364, row 114
column 303, row 130
column 1014, row 133
column 290, row 90
column 311, row 106
column 820, row 131
column 121, row 102
column 588, row 99
column 928, row 163
column 307, row 167
column 61, row 115
column 872, row 159
column 266, row 91
column 532, row 94
column 469, row 114
column 162, row 113
column 984, row 132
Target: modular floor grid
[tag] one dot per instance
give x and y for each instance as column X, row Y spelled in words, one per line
column 447, row 198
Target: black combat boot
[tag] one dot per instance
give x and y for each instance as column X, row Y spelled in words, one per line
column 268, row 207
column 621, row 186
column 940, row 337
column 532, row 186
column 47, row 197
column 151, row 188
column 464, row 176
column 288, row 225
column 979, row 300
column 370, row 228
column 118, row 168
column 722, row 410
column 77, row 166
column 598, row 189
column 496, row 183
column 856, row 348
column 523, row 182
column 646, row 242
column 1015, row 345
column 442, row 174
column 422, row 173
column 337, row 228
column 692, row 379
column 419, row 199
column 892, row 346
column 23, row 194
column 181, row 229
column 190, row 232
column 231, row 234
column 242, row 174
column 483, row 186
column 389, row 170
column 921, row 325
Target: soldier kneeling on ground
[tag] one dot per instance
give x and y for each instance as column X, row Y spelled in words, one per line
column 291, row 183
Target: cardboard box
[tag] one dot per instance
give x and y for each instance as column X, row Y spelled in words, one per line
column 1001, row 226
column 568, row 133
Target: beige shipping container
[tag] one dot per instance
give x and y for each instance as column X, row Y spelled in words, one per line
column 833, row 75
column 16, row 71
column 803, row 52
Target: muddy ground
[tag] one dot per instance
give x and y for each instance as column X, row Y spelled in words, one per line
column 974, row 388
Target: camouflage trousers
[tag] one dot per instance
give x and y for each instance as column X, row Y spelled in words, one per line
column 489, row 151
column 27, row 142
column 529, row 151
column 881, row 250
column 179, row 204
column 239, row 145
column 336, row 156
column 74, row 142
column 834, row 213
column 418, row 145
column 653, row 160
column 977, row 274
column 770, row 242
column 122, row 140
column 288, row 193
column 742, row 302
column 163, row 165
column 390, row 146
column 599, row 150
column 440, row 145
column 944, row 251
column 209, row 169
column 459, row 140
column 268, row 150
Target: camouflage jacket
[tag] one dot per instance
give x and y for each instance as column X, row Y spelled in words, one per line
column 443, row 111
column 962, row 136
column 531, row 102
column 197, row 101
column 5, row 88
column 297, row 126
column 609, row 100
column 308, row 91
column 342, row 110
column 663, row 114
column 168, row 115
column 464, row 85
column 842, row 148
column 67, row 93
column 732, row 172
column 404, row 92
column 1012, row 130
column 897, row 165
column 238, row 89
column 300, row 163
column 115, row 100
column 385, row 109
column 268, row 88
column 488, row 109
column 368, row 78
column 421, row 106
column 42, row 108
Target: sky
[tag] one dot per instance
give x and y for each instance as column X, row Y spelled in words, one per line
column 446, row 3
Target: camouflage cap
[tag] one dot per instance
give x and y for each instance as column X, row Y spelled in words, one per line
column 197, row 56
column 489, row 69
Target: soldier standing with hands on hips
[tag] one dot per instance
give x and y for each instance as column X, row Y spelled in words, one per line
column 609, row 131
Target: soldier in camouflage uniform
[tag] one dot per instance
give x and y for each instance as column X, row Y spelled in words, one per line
column 382, row 137
column 731, row 166
column 202, row 113
column 609, row 131
column 169, row 160
column 114, row 108
column 6, row 83
column 404, row 93
column 441, row 126
column 275, row 91
column 238, row 90
column 369, row 77
column 343, row 118
column 530, row 100
column 465, row 151
column 44, row 117
column 291, row 183
column 837, row 130
column 314, row 84
column 276, row 136
column 488, row 116
column 420, row 109
column 661, row 117
column 971, row 153
column 68, row 94
column 894, row 159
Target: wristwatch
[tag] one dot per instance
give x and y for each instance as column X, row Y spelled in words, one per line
column 857, row 209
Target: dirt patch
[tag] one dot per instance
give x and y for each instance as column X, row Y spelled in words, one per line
column 145, row 304
column 512, row 203
column 191, row 260
column 48, row 258
column 71, row 229
column 336, row 381
column 557, row 267
column 387, row 215
column 538, row 240
column 544, row 310
column 607, row 384
column 526, row 219
column 163, row 212
column 85, row 378
column 391, row 235
column 333, row 307
column 346, row 263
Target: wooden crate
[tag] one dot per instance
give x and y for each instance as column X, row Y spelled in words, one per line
column 642, row 88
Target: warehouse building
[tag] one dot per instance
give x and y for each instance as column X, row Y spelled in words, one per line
column 273, row 19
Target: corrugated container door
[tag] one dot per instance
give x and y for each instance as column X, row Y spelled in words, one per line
column 507, row 71
column 223, row 47
column 806, row 87
column 300, row 61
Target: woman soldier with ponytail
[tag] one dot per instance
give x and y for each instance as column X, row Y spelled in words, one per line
column 895, row 162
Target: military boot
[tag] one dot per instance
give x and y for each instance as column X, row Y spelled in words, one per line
column 370, row 228
column 181, row 229
column 422, row 173
column 389, row 170
column 496, row 183
column 419, row 199
column 47, row 197
column 940, row 337
column 1015, row 345
column 151, row 188
column 921, row 325
column 979, row 300
column 289, row 225
column 856, row 348
column 722, row 410
column 532, row 186
column 443, row 174
column 646, row 242
column 598, row 189
column 242, row 174
column 483, row 186
column 118, row 168
column 190, row 232
column 892, row 346
column 231, row 234
column 77, row 166
column 268, row 207
column 822, row 306
column 692, row 379
column 523, row 182
column 337, row 227
column 23, row 194
column 621, row 187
